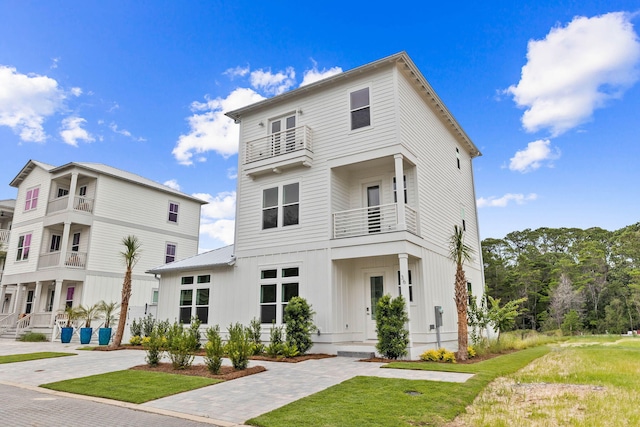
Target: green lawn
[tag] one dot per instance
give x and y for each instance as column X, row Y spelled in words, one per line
column 375, row 401
column 11, row 358
column 131, row 386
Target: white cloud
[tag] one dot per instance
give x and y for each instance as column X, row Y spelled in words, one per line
column 124, row 132
column 172, row 183
column 237, row 71
column 217, row 217
column 576, row 69
column 26, row 101
column 273, row 84
column 232, row 173
column 210, row 129
column 313, row 75
column 72, row 131
column 531, row 158
column 503, row 201
column 76, row 91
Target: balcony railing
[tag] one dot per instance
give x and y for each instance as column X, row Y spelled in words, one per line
column 371, row 220
column 280, row 143
column 71, row 260
column 4, row 236
column 80, row 203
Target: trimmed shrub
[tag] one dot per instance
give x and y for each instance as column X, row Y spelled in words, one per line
column 181, row 346
column 439, row 355
column 214, row 350
column 33, row 337
column 255, row 336
column 239, row 346
column 471, row 352
column 136, row 328
column 430, row 356
column 135, row 340
column 299, row 326
column 146, row 325
column 154, row 345
column 391, row 317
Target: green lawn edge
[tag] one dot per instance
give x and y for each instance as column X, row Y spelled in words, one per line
column 13, row 358
column 131, row 385
column 374, row 401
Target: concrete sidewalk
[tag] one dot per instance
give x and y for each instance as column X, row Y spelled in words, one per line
column 225, row 404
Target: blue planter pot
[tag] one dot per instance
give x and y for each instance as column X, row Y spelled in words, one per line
column 104, row 336
column 66, row 334
column 85, row 335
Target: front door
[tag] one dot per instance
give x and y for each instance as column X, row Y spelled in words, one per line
column 282, row 141
column 374, row 291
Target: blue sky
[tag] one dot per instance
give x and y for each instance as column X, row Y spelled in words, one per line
column 548, row 91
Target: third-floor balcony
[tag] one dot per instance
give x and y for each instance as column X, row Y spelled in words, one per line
column 4, row 236
column 281, row 150
column 372, row 220
column 80, row 203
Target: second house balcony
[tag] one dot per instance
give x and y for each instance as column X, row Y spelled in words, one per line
column 372, row 220
column 80, row 203
column 71, row 259
column 278, row 151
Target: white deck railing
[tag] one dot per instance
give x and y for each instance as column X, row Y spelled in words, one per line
column 72, row 260
column 4, row 236
column 80, row 203
column 279, row 143
column 371, row 220
column 7, row 321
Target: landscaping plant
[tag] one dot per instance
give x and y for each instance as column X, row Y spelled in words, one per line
column 154, row 346
column 238, row 347
column 299, row 326
column 255, row 335
column 181, row 346
column 214, row 349
column 391, row 318
column 131, row 255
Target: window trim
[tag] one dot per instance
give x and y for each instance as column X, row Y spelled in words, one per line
column 167, row 254
column 31, row 198
column 24, row 242
column 351, row 110
column 279, row 282
column 280, row 205
column 170, row 212
column 195, row 288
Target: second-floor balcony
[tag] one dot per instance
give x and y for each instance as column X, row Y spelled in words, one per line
column 372, row 220
column 72, row 259
column 271, row 153
column 4, row 237
column 80, row 203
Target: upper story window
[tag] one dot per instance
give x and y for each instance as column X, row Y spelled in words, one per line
column 75, row 243
column 55, row 243
column 170, row 253
column 31, row 201
column 63, row 192
column 82, row 191
column 458, row 157
column 395, row 194
column 173, row 212
column 286, row 199
column 24, row 244
column 360, row 108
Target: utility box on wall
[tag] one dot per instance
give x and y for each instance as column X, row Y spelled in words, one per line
column 438, row 311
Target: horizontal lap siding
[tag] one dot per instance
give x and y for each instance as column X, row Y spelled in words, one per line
column 443, row 188
column 327, row 114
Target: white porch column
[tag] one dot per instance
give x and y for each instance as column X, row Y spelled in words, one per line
column 72, row 190
column 399, row 169
column 3, row 292
column 57, row 297
column 19, row 287
column 64, row 244
column 36, row 298
column 404, row 288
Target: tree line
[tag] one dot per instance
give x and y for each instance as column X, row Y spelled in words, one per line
column 585, row 280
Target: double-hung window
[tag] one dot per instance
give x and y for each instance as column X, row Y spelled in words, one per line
column 173, row 212
column 170, row 253
column 410, row 286
column 277, row 287
column 31, row 201
column 24, row 244
column 360, row 108
column 395, row 192
column 285, row 199
column 55, row 243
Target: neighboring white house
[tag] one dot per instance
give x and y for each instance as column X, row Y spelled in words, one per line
column 348, row 189
column 6, row 218
column 66, row 238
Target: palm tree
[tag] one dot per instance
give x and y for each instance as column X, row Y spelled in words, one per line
column 459, row 253
column 130, row 255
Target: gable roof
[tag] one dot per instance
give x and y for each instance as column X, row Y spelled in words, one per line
column 220, row 257
column 408, row 67
column 103, row 170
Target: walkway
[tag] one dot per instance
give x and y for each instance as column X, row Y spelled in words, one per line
column 225, row 404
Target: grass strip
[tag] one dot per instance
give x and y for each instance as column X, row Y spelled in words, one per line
column 373, row 401
column 11, row 358
column 131, row 386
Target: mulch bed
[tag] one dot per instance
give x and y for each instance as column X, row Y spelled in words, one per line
column 466, row 362
column 226, row 372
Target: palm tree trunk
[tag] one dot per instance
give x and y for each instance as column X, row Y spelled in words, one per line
column 124, row 308
column 461, row 307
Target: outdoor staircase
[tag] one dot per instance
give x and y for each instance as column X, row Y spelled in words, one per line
column 8, row 334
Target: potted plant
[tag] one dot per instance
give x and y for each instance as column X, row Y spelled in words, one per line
column 108, row 311
column 88, row 313
column 67, row 331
